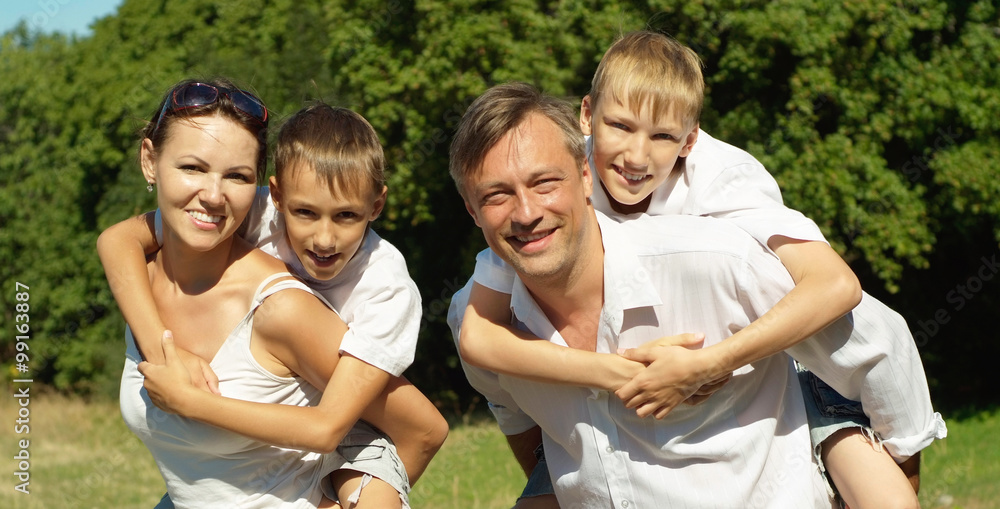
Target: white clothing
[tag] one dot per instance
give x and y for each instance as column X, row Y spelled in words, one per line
column 373, row 294
column 873, row 358
column 206, row 466
column 746, row 446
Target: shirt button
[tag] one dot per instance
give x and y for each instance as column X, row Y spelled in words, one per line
column 624, row 503
column 611, row 450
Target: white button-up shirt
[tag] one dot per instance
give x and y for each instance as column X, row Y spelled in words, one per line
column 746, row 446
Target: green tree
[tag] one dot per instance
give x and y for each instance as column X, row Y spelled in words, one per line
column 878, row 119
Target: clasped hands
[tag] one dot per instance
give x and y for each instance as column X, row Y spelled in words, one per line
column 676, row 371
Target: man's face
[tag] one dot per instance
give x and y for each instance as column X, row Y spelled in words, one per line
column 530, row 199
column 634, row 153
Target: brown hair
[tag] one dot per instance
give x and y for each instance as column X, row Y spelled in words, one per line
column 498, row 111
column 647, row 68
column 339, row 144
column 158, row 129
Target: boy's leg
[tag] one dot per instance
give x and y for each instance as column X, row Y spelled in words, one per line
column 165, row 502
column 366, row 471
column 539, row 502
column 864, row 473
column 538, row 492
column 861, row 471
column 371, row 491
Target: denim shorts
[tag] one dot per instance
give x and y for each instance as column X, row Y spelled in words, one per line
column 539, row 482
column 368, row 450
column 828, row 412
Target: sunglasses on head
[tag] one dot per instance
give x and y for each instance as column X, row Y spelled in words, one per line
column 193, row 95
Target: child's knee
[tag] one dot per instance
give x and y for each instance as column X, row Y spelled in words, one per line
column 436, row 435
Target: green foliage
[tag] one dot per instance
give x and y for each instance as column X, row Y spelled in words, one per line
column 879, row 119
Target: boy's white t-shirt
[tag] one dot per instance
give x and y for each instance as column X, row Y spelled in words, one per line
column 373, row 294
column 718, row 180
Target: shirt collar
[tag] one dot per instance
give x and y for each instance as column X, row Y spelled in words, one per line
column 627, row 285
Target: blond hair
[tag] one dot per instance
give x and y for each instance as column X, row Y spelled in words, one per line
column 650, row 69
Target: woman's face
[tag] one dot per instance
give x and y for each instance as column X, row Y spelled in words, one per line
column 205, row 172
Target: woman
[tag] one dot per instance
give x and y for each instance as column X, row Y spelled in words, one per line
column 205, row 152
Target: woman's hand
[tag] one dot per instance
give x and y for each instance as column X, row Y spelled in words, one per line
column 170, row 385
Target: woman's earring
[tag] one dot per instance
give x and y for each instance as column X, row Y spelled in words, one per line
column 149, row 186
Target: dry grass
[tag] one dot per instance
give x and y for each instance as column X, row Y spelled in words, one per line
column 83, row 456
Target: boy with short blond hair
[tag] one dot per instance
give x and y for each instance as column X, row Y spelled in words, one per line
column 651, row 157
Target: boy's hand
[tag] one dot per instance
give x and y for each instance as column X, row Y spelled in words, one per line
column 201, row 372
column 708, row 389
column 169, row 384
column 673, row 375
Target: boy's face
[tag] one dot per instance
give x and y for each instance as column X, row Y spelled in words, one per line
column 325, row 228
column 634, row 154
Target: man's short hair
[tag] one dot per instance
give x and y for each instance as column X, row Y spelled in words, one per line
column 498, row 111
column 650, row 69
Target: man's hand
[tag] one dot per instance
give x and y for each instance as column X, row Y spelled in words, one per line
column 674, row 373
column 169, row 384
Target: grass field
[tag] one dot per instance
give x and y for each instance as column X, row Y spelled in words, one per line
column 82, row 456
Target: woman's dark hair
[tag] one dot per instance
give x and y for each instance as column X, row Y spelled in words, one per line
column 159, row 127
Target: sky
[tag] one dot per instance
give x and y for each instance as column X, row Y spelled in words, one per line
column 67, row 16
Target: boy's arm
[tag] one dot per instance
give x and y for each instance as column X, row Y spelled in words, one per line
column 310, row 350
column 825, row 290
column 354, row 386
column 507, row 350
column 410, row 419
column 122, row 249
column 320, row 428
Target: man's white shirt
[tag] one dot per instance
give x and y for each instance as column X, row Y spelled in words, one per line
column 746, row 446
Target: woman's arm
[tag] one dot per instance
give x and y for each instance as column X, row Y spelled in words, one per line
column 123, row 248
column 825, row 290
column 487, row 344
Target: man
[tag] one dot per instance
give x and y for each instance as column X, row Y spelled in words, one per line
column 588, row 283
